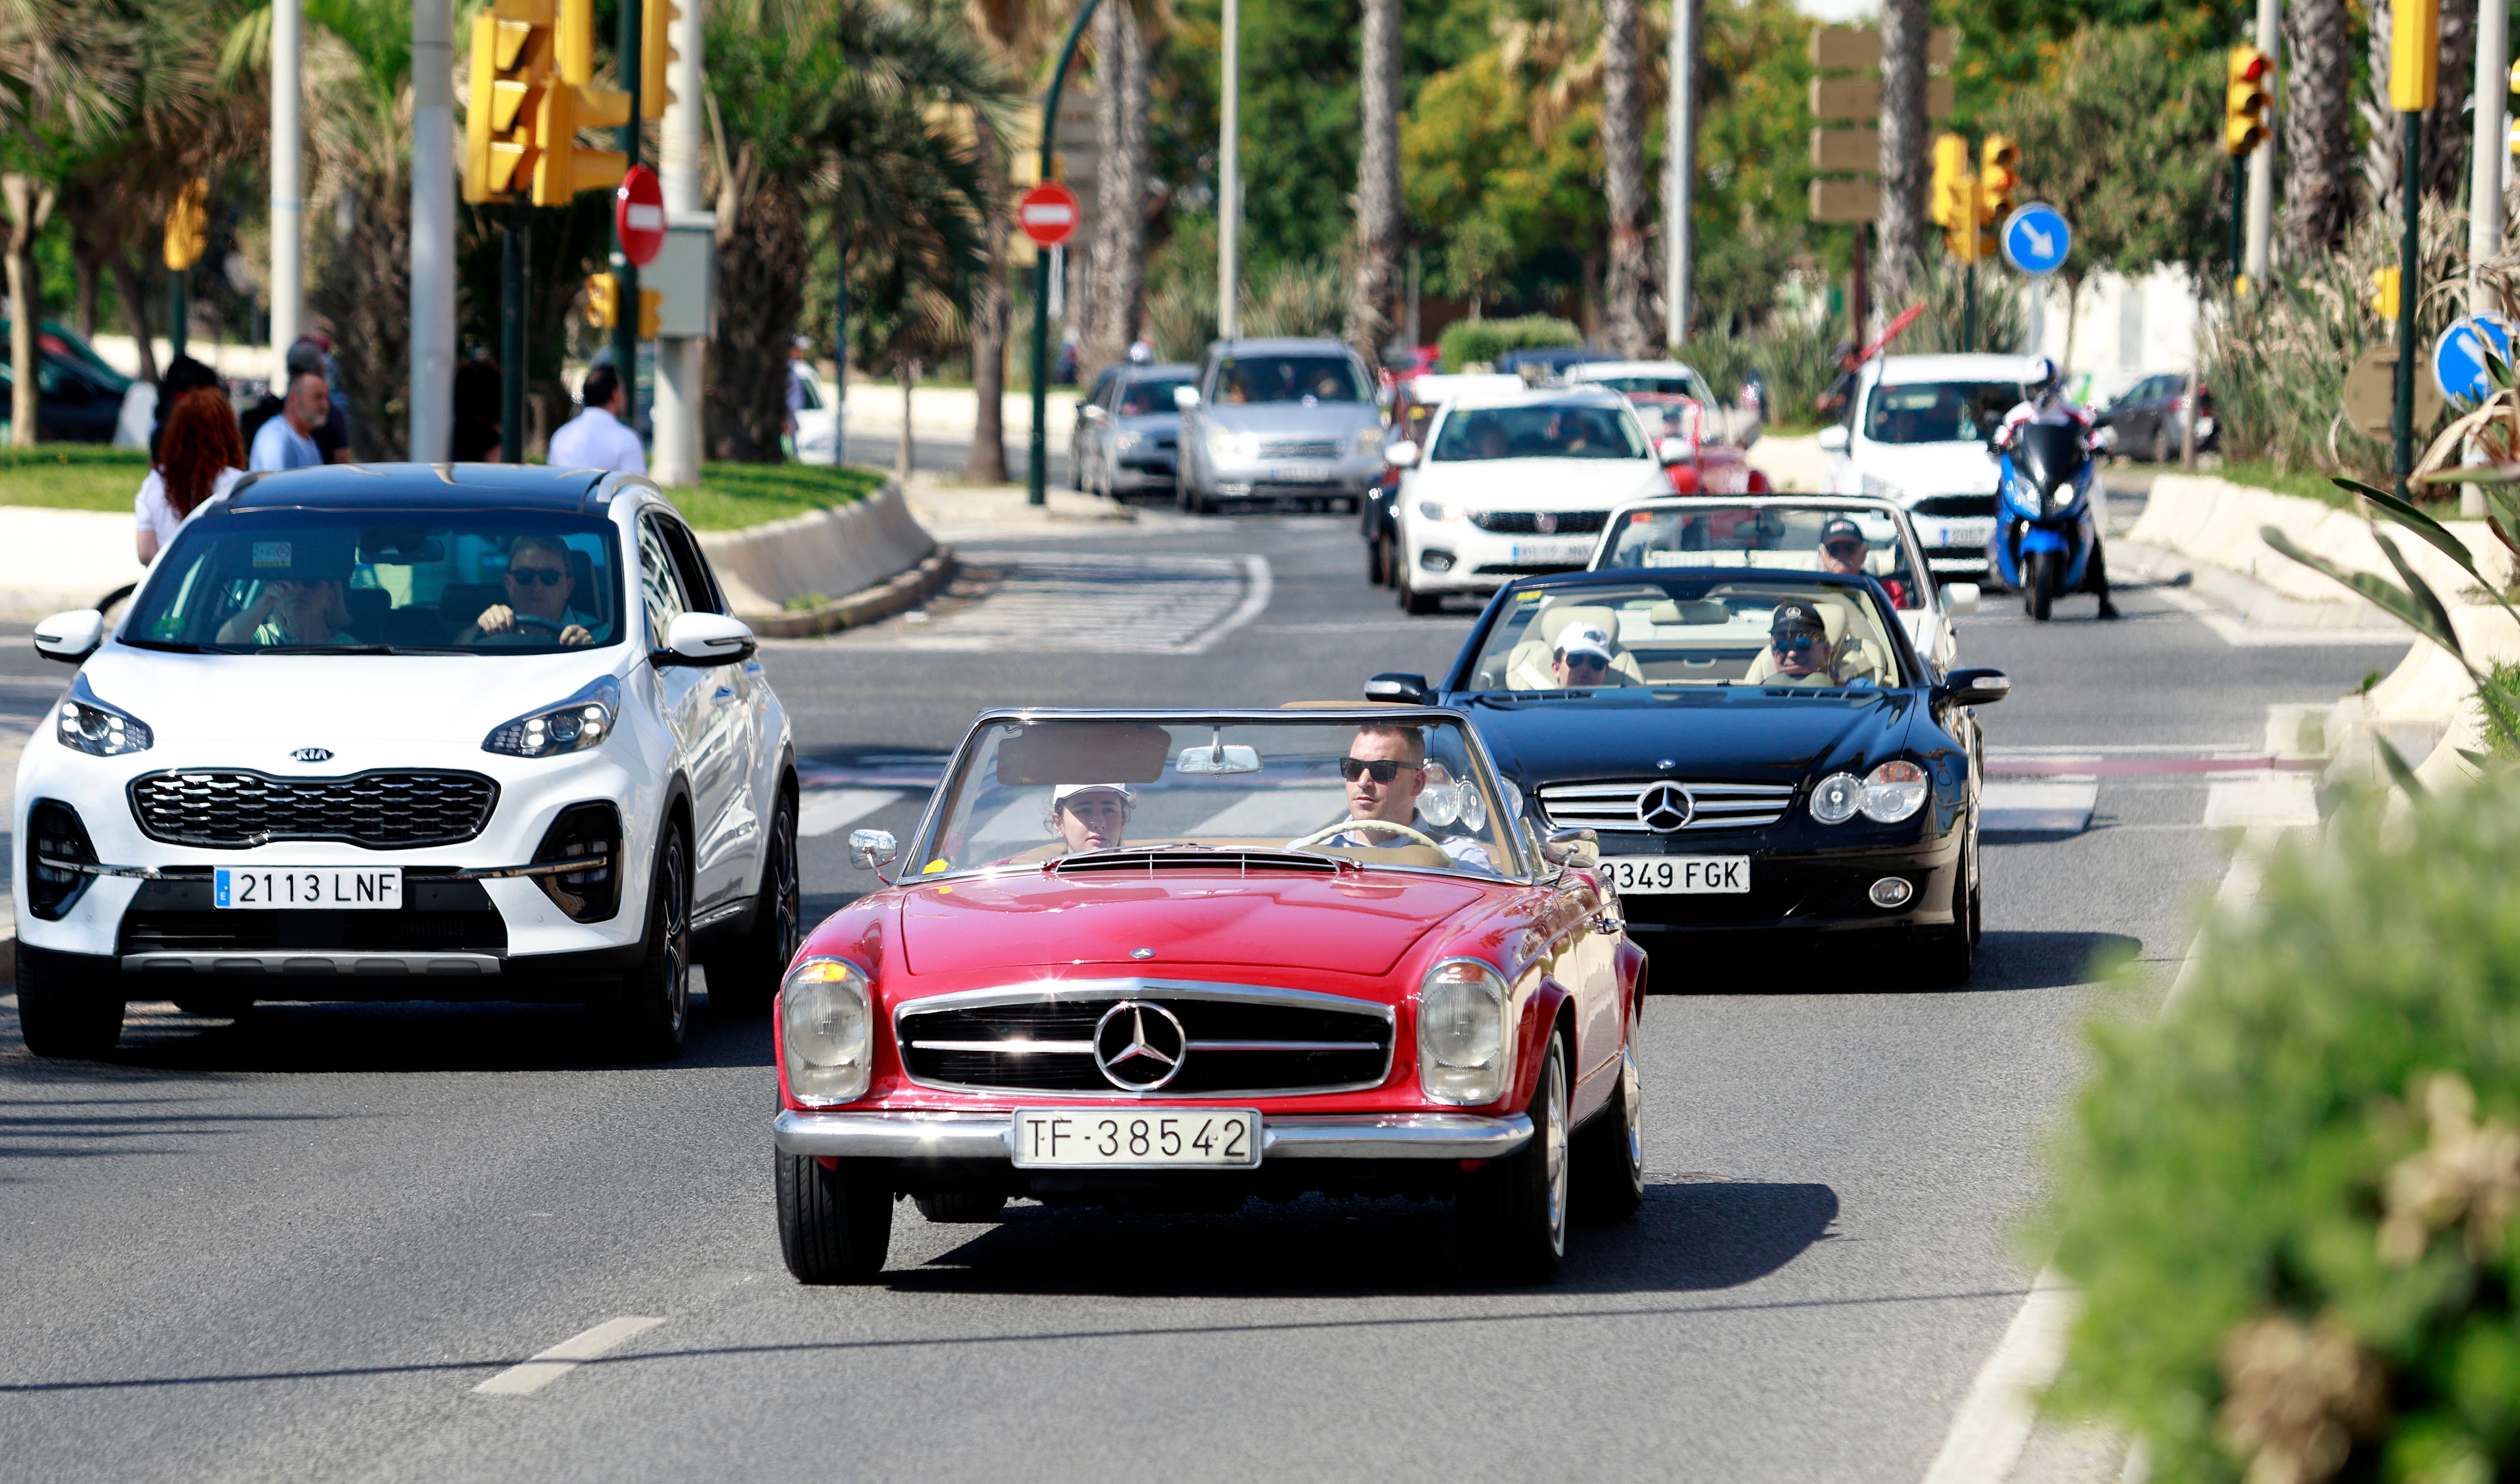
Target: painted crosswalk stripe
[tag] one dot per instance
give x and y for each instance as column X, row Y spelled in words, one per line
column 2281, row 800
column 1097, row 603
column 559, row 1360
column 820, row 810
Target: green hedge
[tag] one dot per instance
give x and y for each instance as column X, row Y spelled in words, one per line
column 2291, row 1228
column 1468, row 342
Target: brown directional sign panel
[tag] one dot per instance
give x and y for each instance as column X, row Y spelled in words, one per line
column 1845, row 100
column 1857, row 48
column 1855, row 151
column 2372, row 394
column 1845, row 201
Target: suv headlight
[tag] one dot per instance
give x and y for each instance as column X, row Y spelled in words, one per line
column 1895, row 791
column 576, row 724
column 1227, row 447
column 1434, row 510
column 827, row 1031
column 1463, row 1055
column 90, row 726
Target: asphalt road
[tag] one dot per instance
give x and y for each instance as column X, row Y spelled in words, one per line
column 291, row 1246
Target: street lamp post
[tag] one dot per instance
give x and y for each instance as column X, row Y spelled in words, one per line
column 431, row 405
column 1037, row 478
column 625, row 273
column 1682, row 147
column 1229, row 183
column 288, row 183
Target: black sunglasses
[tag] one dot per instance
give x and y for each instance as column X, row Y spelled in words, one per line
column 1585, row 662
column 548, row 576
column 1383, row 769
column 1797, row 643
column 1841, row 548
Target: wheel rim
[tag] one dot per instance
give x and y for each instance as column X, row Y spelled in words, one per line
column 1554, row 1151
column 1631, row 1095
column 678, row 974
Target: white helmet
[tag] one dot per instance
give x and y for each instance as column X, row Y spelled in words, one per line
column 2044, row 375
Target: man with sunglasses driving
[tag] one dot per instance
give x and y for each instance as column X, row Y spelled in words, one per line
column 1385, row 768
column 1800, row 640
column 539, row 587
column 1844, row 551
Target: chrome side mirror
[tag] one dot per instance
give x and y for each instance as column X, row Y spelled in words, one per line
column 70, row 637
column 1832, row 439
column 1401, row 455
column 1962, row 598
column 705, row 639
column 1579, row 848
column 873, row 850
column 1184, row 397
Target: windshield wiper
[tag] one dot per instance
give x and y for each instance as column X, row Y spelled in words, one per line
column 351, row 648
column 169, row 646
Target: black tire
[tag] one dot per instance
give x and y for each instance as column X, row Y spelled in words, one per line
column 215, row 1006
column 652, row 1007
column 1609, row 1174
column 743, row 973
column 1513, row 1210
column 1390, row 574
column 1202, row 503
column 960, row 1208
column 1404, row 594
column 64, row 1012
column 834, row 1224
column 1948, row 958
column 2039, row 585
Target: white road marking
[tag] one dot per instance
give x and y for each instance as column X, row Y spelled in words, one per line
column 1107, row 603
column 559, row 1360
column 2284, row 800
column 820, row 810
column 2049, row 806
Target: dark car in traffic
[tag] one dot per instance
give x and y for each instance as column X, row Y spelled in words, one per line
column 2149, row 420
column 1762, row 752
column 81, row 396
column 1127, row 433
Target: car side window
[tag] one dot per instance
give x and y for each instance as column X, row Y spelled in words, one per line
column 658, row 583
column 698, row 580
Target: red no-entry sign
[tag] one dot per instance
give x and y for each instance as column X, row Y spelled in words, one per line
column 1049, row 213
column 639, row 215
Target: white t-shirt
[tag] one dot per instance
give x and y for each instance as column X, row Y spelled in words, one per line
column 277, row 445
column 595, row 439
column 157, row 513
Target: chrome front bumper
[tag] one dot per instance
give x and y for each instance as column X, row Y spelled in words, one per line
column 924, row 1134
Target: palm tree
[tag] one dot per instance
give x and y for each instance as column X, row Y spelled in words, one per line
column 1373, row 314
column 2317, row 128
column 1902, row 224
column 1119, row 255
column 1625, row 286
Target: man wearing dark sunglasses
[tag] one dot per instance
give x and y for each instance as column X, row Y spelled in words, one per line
column 1385, row 768
column 1844, row 551
column 1800, row 641
column 539, row 586
column 1581, row 659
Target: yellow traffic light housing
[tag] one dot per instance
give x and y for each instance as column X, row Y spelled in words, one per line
column 2384, row 297
column 603, row 305
column 511, row 69
column 1953, row 202
column 188, row 225
column 657, row 55
column 2246, row 98
column 562, row 166
column 1998, row 181
column 573, row 41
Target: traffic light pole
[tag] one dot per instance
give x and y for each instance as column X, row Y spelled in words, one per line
column 177, row 312
column 512, row 334
column 1968, row 303
column 1037, row 478
column 625, row 273
column 2239, row 217
column 2409, row 288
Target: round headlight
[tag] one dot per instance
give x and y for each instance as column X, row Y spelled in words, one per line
column 826, row 1031
column 1462, row 1054
column 1896, row 791
column 1837, row 798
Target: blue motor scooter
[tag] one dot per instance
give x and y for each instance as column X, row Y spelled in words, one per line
column 2047, row 542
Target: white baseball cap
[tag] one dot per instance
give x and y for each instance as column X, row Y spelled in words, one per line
column 1584, row 639
column 1060, row 795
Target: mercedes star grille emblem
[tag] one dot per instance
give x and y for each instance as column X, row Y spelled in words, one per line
column 1665, row 807
column 313, row 754
column 1138, row 1046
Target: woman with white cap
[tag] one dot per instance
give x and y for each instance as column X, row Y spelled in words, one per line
column 1089, row 816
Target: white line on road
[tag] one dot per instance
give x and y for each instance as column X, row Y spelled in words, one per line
column 2279, row 800
column 1256, row 583
column 559, row 1360
column 2047, row 807
column 820, row 810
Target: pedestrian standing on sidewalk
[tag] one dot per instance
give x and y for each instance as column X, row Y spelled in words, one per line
column 287, row 441
column 598, row 438
column 308, row 355
column 201, row 457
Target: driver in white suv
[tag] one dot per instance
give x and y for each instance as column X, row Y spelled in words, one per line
column 539, row 587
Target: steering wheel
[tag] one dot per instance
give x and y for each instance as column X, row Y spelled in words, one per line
column 1344, row 826
column 536, row 621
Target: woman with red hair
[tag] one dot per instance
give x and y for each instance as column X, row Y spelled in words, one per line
column 199, row 457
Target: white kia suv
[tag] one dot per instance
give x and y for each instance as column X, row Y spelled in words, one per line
column 406, row 732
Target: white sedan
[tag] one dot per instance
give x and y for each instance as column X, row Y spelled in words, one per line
column 399, row 733
column 1514, row 483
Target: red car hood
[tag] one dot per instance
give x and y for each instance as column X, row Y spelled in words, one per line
column 1357, row 924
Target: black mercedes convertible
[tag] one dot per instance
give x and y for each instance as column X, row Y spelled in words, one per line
column 1758, row 751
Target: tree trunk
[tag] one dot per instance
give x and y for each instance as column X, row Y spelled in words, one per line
column 761, row 266
column 987, row 462
column 1623, row 181
column 1119, row 265
column 132, row 286
column 1905, row 25
column 1373, row 312
column 87, row 266
column 2318, row 153
column 28, row 204
column 2446, row 132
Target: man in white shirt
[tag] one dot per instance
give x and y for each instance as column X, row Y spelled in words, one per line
column 598, row 438
column 288, row 440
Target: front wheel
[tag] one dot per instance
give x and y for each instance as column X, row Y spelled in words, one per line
column 2039, row 584
column 835, row 1219
column 1513, row 1210
column 1609, row 1179
column 653, row 1006
column 64, row 1012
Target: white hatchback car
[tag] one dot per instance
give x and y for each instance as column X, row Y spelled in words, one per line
column 399, row 732
column 1513, row 483
column 1916, row 434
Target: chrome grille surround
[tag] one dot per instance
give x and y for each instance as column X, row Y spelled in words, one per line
column 1050, row 1026
column 1609, row 807
column 385, row 809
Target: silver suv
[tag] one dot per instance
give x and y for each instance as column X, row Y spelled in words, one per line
column 1274, row 420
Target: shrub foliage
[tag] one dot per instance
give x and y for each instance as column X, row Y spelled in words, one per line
column 1468, row 342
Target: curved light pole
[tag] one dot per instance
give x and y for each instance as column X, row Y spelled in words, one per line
column 1039, row 474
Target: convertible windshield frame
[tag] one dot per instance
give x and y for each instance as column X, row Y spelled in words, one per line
column 925, row 839
column 1908, row 567
column 1914, row 673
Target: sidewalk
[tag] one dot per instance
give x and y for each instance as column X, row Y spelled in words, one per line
column 946, row 414
column 960, row 512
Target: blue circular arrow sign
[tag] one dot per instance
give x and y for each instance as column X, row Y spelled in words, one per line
column 2035, row 238
column 2458, row 356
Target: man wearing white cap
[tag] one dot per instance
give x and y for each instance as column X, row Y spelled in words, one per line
column 1089, row 816
column 1583, row 657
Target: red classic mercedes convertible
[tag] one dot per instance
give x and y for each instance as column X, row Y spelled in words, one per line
column 1178, row 959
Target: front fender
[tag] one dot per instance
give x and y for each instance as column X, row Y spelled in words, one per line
column 1536, row 1016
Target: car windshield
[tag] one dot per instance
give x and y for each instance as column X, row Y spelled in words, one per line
column 490, row 582
column 1700, row 630
column 1140, row 398
column 1938, row 412
column 1790, row 537
column 1289, row 379
column 1542, row 430
column 1026, row 792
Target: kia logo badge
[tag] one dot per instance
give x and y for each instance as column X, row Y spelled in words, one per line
column 313, row 754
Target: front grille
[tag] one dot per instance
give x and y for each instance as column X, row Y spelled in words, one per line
column 1954, row 505
column 1713, row 806
column 236, row 810
column 1299, row 448
column 1526, row 522
column 1250, row 1043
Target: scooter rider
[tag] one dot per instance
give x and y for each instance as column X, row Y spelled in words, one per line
column 2049, row 406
